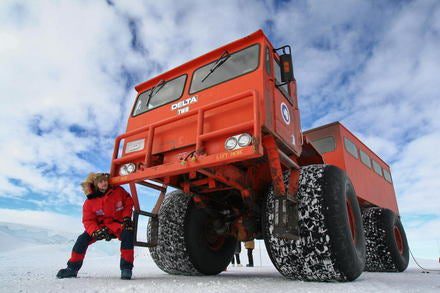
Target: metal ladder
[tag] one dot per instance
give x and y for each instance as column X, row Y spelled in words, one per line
column 152, row 237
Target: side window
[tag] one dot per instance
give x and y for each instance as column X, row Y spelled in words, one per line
column 267, row 60
column 351, row 148
column 325, row 145
column 387, row 176
column 277, row 70
column 377, row 168
column 365, row 159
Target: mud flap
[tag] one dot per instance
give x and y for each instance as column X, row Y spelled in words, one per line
column 285, row 219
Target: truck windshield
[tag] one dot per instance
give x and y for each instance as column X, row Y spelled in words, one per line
column 162, row 94
column 237, row 64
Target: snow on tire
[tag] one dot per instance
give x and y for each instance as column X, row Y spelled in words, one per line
column 171, row 255
column 326, row 250
column 387, row 246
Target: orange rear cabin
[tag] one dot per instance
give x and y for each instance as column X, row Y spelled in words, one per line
column 370, row 175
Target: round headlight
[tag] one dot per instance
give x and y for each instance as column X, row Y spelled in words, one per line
column 127, row 169
column 244, row 140
column 123, row 170
column 230, row 143
column 131, row 168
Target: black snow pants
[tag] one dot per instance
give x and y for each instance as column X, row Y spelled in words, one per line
column 84, row 240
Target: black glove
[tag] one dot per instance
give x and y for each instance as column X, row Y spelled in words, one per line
column 127, row 224
column 102, row 233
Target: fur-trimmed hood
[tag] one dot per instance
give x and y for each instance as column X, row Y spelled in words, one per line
column 90, row 184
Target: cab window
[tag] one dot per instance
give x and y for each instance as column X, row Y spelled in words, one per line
column 161, row 94
column 227, row 67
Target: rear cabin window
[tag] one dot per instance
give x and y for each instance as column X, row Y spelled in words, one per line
column 225, row 68
column 351, row 148
column 387, row 176
column 267, row 60
column 377, row 168
column 365, row 159
column 325, row 145
column 159, row 95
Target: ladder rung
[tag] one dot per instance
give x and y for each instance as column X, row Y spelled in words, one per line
column 151, row 185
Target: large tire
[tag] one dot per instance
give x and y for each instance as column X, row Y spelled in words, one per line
column 183, row 248
column 209, row 253
column 387, row 246
column 329, row 248
column 170, row 254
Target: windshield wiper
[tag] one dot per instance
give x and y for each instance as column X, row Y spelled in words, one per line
column 156, row 88
column 220, row 61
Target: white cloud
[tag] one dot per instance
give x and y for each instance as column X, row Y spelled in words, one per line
column 423, row 238
column 60, row 69
column 397, row 102
column 417, row 176
column 174, row 32
column 42, row 219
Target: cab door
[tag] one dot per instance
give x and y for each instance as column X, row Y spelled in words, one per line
column 286, row 114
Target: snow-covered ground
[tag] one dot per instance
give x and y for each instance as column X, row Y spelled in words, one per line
column 30, row 258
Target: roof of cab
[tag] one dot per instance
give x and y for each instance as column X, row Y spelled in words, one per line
column 199, row 60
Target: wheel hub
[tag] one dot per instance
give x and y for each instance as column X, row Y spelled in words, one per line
column 351, row 220
column 398, row 239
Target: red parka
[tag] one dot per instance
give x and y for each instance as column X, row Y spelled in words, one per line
column 108, row 210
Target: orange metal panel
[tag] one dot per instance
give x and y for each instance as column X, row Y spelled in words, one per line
column 178, row 168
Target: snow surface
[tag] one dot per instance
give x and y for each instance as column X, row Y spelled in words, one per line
column 30, row 258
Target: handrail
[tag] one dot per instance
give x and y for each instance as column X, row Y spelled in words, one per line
column 200, row 135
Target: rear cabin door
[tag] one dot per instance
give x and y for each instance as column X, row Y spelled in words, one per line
column 285, row 111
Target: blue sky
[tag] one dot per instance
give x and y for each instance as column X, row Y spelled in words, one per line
column 69, row 67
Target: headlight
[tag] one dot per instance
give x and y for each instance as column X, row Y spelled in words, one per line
column 127, row 169
column 244, row 140
column 238, row 141
column 230, row 143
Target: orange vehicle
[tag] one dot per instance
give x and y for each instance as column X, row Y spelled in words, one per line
column 224, row 131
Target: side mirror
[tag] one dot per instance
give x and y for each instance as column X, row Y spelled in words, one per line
column 286, row 64
column 286, row 68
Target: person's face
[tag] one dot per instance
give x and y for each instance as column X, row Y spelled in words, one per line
column 103, row 185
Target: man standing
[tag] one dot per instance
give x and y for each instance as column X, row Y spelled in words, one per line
column 237, row 255
column 250, row 245
column 107, row 214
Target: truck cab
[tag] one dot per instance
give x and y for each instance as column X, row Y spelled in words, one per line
column 178, row 106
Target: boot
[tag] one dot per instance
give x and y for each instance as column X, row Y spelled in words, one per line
column 126, row 274
column 67, row 273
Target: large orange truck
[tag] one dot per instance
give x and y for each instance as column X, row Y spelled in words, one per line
column 224, row 131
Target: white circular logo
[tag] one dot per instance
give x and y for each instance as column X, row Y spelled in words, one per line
column 285, row 113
